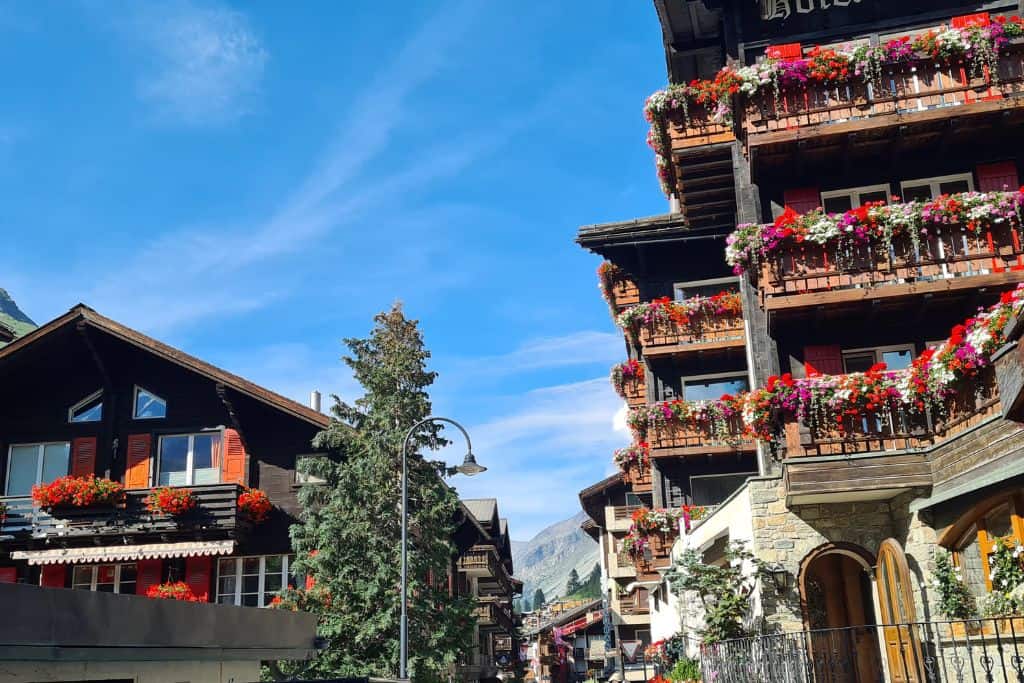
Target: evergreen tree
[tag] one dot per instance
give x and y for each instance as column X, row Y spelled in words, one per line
column 573, row 584
column 538, row 599
column 527, row 607
column 348, row 538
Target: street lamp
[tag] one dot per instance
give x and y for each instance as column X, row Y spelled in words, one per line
column 469, row 467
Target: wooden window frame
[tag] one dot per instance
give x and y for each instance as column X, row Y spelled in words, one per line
column 712, row 376
column 852, row 192
column 933, row 182
column 956, row 536
column 95, row 571
column 676, row 286
column 40, row 446
column 238, row 561
column 135, row 403
column 84, row 402
column 189, row 457
column 878, row 351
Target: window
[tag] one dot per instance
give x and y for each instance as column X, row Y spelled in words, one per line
column 712, row 387
column 302, row 477
column 973, row 538
column 686, row 290
column 35, row 463
column 189, row 459
column 105, row 578
column 894, row 357
column 930, row 188
column 148, row 406
column 838, row 201
column 712, row 489
column 252, row 581
column 89, row 409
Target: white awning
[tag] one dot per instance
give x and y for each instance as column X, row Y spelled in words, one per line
column 121, row 553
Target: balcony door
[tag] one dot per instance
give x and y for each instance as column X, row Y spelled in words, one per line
column 896, row 603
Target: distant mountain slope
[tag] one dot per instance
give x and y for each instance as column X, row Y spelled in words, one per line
column 12, row 316
column 545, row 560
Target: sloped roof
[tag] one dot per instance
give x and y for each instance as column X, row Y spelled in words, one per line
column 82, row 314
column 484, row 509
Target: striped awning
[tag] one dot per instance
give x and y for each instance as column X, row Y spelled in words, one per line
column 123, row 553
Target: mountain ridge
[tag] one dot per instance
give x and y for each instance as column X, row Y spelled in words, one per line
column 12, row 316
column 546, row 560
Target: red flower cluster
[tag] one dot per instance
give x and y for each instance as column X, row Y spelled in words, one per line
column 74, row 491
column 178, row 590
column 255, row 505
column 825, row 65
column 171, row 501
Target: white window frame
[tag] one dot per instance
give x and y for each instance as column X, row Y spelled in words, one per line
column 238, row 561
column 854, row 193
column 135, row 404
column 96, row 571
column 713, row 376
column 84, row 402
column 676, row 286
column 189, row 457
column 879, row 350
column 302, row 479
column 934, row 182
column 40, row 445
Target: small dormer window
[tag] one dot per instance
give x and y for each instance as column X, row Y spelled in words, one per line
column 148, row 406
column 89, row 409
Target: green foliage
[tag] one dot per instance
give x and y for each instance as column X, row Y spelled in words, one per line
column 589, row 589
column 1006, row 565
column 348, row 538
column 538, row 599
column 686, row 669
column 573, row 584
column 724, row 591
column 955, row 600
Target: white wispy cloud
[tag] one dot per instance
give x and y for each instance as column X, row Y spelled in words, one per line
column 202, row 64
column 573, row 349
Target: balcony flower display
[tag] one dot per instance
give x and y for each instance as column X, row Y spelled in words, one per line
column 874, row 223
column 630, row 371
column 72, row 491
column 638, row 454
column 977, row 46
column 692, row 313
column 255, row 505
column 171, row 501
column 714, row 419
column 178, row 590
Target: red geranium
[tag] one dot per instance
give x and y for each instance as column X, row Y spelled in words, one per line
column 71, row 491
column 178, row 590
column 255, row 505
column 171, row 501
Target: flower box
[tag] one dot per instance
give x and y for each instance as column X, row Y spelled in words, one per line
column 71, row 492
column 175, row 502
column 254, row 505
column 178, row 590
column 638, row 476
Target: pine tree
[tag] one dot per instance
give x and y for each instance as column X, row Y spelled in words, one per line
column 348, row 538
column 527, row 607
column 573, row 584
column 538, row 599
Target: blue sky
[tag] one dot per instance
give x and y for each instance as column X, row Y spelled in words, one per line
column 251, row 182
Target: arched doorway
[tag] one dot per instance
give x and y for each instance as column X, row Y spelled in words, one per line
column 835, row 590
column 896, row 603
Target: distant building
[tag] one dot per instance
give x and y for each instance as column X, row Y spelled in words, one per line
column 567, row 647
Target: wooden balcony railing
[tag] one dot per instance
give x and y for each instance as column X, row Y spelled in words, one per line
column 630, row 605
column 217, row 511
column 904, row 89
column 484, row 560
column 491, row 612
column 635, row 391
column 638, row 477
column 671, row 439
column 697, row 129
column 952, row 259
column 706, row 332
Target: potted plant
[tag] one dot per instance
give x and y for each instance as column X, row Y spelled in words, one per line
column 254, row 505
column 77, row 492
column 171, row 501
column 176, row 590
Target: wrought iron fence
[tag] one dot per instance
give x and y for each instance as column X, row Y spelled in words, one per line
column 982, row 650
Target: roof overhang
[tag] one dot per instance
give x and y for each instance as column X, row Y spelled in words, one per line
column 124, row 553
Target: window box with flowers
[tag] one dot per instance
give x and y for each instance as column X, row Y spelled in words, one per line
column 71, row 492
column 177, row 590
column 628, row 380
column 704, row 320
column 617, row 288
column 254, row 505
column 174, row 502
column 635, row 463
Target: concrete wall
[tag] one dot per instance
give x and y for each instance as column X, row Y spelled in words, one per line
column 137, row 672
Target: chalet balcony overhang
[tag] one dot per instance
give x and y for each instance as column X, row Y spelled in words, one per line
column 491, row 613
column 482, row 561
column 671, row 440
column 699, row 325
column 216, row 517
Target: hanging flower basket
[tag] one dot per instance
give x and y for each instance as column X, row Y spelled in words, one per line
column 254, row 505
column 171, row 501
column 77, row 492
column 177, row 590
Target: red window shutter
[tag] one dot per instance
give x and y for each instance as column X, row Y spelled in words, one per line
column 8, row 575
column 802, row 199
column 968, row 20
column 232, row 467
column 83, row 456
column 197, row 576
column 997, row 177
column 52, row 575
column 785, row 51
column 823, row 360
column 147, row 573
column 136, row 473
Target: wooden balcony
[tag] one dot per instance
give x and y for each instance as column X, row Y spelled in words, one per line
column 216, row 515
column 492, row 613
column 909, row 93
column 638, row 478
column 878, row 457
column 483, row 562
column 706, row 333
column 620, row 518
column 954, row 259
column 629, row 605
column 673, row 440
column 697, row 129
column 635, row 392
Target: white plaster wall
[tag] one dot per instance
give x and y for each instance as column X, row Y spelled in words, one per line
column 139, row 672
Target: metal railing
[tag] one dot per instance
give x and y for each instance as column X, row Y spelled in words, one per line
column 990, row 650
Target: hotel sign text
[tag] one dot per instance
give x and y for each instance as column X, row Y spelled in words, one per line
column 783, row 9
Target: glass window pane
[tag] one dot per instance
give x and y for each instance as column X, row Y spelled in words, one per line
column 105, row 573
column 897, row 360
column 690, row 291
column 202, row 450
column 250, row 584
column 272, row 583
column 917, row 192
column 127, row 572
column 837, row 204
column 251, row 600
column 713, row 389
column 953, row 186
column 274, row 564
column 858, row 362
column 149, row 405
column 226, row 599
column 55, row 461
column 997, row 523
column 126, row 588
column 81, row 577
column 251, row 565
column 23, row 469
column 226, row 567
column 879, row 196
column 91, row 411
column 173, row 461
column 105, row 587
column 227, row 585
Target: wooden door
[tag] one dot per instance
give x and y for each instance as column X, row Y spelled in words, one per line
column 896, row 601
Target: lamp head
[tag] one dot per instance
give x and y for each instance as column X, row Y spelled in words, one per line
column 469, row 466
